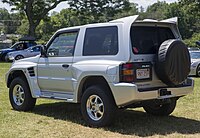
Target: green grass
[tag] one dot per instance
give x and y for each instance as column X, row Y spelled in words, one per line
column 59, row 119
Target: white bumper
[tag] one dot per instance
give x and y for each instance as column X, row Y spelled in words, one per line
column 127, row 93
column 9, row 57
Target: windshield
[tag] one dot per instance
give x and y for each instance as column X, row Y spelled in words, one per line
column 195, row 55
column 14, row 46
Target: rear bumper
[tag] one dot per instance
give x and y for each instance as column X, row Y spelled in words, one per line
column 127, row 93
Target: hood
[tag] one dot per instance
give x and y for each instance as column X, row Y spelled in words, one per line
column 30, row 59
column 26, row 62
column 195, row 60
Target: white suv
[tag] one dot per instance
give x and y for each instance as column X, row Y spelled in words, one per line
column 105, row 66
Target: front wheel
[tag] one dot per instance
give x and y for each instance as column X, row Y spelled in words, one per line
column 19, row 57
column 198, row 71
column 97, row 106
column 160, row 109
column 20, row 95
column 3, row 58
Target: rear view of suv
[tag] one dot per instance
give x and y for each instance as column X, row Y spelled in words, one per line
column 105, row 66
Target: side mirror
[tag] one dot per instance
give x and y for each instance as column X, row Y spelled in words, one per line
column 43, row 51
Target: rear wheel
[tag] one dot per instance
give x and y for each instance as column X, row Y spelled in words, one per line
column 198, row 71
column 20, row 95
column 97, row 106
column 160, row 109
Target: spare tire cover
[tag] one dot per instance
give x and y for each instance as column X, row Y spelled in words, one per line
column 173, row 62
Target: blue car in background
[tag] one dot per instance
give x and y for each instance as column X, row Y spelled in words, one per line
column 17, row 46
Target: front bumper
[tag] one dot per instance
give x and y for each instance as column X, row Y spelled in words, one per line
column 9, row 58
column 127, row 93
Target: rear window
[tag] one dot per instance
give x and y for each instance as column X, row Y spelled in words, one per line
column 147, row 40
column 101, row 41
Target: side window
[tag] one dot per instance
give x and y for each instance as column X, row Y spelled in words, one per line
column 20, row 46
column 101, row 41
column 63, row 45
column 36, row 49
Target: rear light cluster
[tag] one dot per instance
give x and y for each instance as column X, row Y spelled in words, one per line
column 127, row 72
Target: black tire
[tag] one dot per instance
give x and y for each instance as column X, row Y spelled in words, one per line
column 157, row 109
column 108, row 108
column 3, row 58
column 198, row 71
column 173, row 62
column 20, row 95
column 18, row 57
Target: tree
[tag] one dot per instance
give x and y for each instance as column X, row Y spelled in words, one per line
column 35, row 10
column 157, row 10
column 192, row 41
column 23, row 28
column 66, row 18
column 191, row 10
column 128, row 10
column 189, row 16
column 93, row 11
column 4, row 15
column 9, row 21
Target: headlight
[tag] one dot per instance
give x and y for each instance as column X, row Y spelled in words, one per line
column 9, row 54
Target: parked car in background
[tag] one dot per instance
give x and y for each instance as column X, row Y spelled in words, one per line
column 195, row 63
column 193, row 48
column 17, row 46
column 198, row 43
column 20, row 54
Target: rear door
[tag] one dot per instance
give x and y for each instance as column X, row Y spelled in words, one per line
column 55, row 70
column 146, row 41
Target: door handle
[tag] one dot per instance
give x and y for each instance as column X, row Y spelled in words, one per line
column 65, row 66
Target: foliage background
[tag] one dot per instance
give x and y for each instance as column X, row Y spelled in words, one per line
column 84, row 12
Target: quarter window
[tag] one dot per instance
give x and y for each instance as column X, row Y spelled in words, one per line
column 101, row 41
column 63, row 45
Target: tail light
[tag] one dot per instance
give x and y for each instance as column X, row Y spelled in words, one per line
column 127, row 72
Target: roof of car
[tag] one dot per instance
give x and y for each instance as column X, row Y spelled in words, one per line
column 128, row 21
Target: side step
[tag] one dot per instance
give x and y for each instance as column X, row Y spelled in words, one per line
column 66, row 96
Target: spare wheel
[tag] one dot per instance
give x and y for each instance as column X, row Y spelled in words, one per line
column 173, row 62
